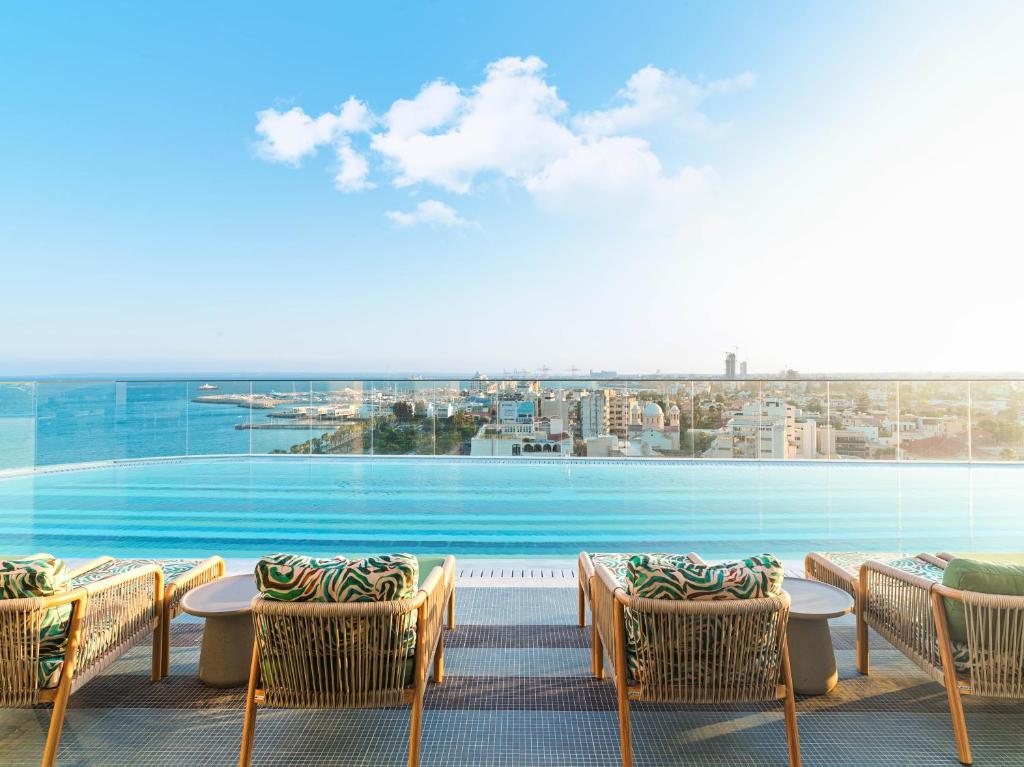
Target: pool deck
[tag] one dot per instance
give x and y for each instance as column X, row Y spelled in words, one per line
column 518, row 691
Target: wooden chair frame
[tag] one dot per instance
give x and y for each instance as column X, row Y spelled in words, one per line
column 108, row 617
column 318, row 671
column 737, row 668
column 909, row 612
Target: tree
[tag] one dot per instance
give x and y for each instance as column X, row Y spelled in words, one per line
column 402, row 410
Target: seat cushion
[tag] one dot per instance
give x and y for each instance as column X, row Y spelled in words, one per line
column 293, row 578
column 41, row 575
column 981, row 577
column 172, row 569
column 850, row 561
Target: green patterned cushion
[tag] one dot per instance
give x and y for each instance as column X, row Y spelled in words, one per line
column 617, row 563
column 850, row 561
column 667, row 576
column 41, row 575
column 172, row 569
column 660, row 576
column 292, row 578
column 918, row 567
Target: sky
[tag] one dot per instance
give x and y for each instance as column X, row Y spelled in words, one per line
column 448, row 187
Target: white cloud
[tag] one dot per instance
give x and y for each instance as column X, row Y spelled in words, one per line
column 513, row 128
column 352, row 169
column 290, row 136
column 431, row 212
column 508, row 125
column 653, row 96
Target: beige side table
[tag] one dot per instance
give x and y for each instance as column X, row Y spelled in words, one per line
column 811, row 654
column 226, row 653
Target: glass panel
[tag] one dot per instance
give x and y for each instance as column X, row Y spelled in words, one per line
column 343, row 419
column 933, row 421
column 793, row 420
column 996, row 430
column 75, row 422
column 728, row 419
column 150, row 418
column 861, row 421
column 219, row 415
column 17, row 425
column 283, row 418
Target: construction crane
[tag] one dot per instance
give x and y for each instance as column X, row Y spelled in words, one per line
column 544, row 370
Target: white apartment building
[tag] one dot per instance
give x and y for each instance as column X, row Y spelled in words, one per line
column 766, row 430
column 595, row 419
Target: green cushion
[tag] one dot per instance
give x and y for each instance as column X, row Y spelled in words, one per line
column 41, row 575
column 661, row 576
column 293, row 578
column 981, row 577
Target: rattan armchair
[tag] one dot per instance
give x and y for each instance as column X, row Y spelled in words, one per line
column 107, row 618
column 702, row 652
column 910, row 613
column 348, row 655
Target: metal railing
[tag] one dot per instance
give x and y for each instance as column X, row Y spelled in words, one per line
column 44, row 423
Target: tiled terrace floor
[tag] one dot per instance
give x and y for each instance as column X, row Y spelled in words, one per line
column 518, row 693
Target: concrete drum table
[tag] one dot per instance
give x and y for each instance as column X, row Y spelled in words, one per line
column 226, row 654
column 811, row 653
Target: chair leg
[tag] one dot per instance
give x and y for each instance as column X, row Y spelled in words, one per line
column 451, row 610
column 625, row 730
column 582, row 607
column 416, row 729
column 60, row 705
column 165, row 663
column 622, row 688
column 860, row 609
column 596, row 653
column 249, row 726
column 439, row 660
column 952, row 684
column 789, row 707
column 157, row 666
column 956, row 713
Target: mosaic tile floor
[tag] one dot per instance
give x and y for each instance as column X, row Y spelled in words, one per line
column 515, row 696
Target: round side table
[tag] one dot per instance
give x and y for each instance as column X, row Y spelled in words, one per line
column 226, row 654
column 811, row 654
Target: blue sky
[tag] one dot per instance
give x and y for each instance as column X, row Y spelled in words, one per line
column 826, row 186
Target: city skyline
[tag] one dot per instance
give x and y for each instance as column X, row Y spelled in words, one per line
column 330, row 189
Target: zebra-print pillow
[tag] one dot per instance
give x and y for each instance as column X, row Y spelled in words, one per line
column 292, row 578
column 657, row 576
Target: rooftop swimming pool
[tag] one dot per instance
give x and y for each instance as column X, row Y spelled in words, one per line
column 245, row 507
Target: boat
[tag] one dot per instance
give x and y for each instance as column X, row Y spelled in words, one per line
column 208, row 387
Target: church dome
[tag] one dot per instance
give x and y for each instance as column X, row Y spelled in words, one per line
column 653, row 409
column 674, row 409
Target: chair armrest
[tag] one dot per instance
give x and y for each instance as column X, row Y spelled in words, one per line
column 819, row 568
column 898, row 606
column 120, row 609
column 449, row 568
column 204, row 572
column 605, row 590
column 433, row 596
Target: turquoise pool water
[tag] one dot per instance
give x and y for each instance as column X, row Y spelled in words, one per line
column 251, row 506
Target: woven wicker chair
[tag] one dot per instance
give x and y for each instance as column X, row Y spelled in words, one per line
column 108, row 617
column 909, row 612
column 747, row 662
column 347, row 655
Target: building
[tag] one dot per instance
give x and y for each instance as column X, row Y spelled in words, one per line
column 730, row 365
column 595, row 414
column 766, row 430
column 604, row 446
column 647, row 425
column 743, row 369
column 519, row 432
column 843, row 443
column 620, row 406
